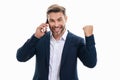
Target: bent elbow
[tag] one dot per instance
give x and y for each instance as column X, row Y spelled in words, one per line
column 20, row 57
column 91, row 64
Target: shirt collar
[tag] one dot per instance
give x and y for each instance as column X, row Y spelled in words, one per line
column 63, row 36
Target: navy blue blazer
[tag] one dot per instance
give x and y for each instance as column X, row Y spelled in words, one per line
column 75, row 47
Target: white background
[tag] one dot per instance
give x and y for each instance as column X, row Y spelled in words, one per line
column 19, row 19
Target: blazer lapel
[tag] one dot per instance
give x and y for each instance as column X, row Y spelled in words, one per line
column 47, row 49
column 66, row 48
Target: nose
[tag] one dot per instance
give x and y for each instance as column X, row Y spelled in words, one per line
column 56, row 24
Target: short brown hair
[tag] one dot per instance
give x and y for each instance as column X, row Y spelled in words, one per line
column 56, row 8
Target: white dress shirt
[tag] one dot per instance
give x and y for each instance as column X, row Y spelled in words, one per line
column 56, row 48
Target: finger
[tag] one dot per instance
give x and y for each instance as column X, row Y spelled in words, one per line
column 87, row 27
column 45, row 25
column 44, row 29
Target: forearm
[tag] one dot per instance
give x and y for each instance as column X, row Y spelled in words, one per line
column 88, row 53
column 27, row 51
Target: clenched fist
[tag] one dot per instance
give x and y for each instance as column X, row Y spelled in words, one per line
column 88, row 30
column 41, row 30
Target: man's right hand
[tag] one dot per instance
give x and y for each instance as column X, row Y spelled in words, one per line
column 41, row 30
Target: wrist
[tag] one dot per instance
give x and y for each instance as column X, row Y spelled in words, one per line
column 88, row 35
column 37, row 36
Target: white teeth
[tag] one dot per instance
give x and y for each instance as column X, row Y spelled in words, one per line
column 57, row 29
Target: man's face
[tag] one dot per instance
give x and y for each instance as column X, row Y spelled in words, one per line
column 57, row 22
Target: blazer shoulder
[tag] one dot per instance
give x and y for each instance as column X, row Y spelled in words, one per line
column 75, row 37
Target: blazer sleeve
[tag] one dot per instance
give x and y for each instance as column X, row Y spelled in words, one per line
column 87, row 52
column 27, row 51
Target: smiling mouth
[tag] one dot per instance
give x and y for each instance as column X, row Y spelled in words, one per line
column 57, row 29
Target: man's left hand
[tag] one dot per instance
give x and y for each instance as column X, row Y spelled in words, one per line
column 88, row 30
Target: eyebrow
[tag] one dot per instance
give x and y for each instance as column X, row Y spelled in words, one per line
column 57, row 18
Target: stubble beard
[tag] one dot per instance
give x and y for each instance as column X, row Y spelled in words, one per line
column 59, row 33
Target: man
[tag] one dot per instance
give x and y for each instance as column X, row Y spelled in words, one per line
column 58, row 49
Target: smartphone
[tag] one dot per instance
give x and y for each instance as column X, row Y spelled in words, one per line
column 44, row 30
column 47, row 21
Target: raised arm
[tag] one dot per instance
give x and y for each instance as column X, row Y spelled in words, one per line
column 87, row 51
column 27, row 51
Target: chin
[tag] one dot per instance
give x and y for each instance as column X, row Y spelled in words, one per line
column 57, row 33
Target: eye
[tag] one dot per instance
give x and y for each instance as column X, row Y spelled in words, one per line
column 51, row 20
column 60, row 19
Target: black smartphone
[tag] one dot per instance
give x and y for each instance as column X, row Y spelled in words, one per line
column 43, row 30
column 46, row 20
